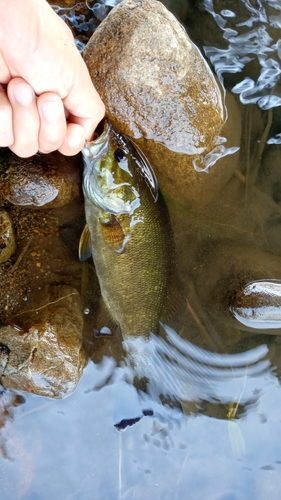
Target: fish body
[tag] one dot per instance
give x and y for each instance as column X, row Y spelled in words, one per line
column 129, row 232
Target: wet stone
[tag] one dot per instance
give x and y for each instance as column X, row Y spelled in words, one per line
column 41, row 351
column 238, row 294
column 258, row 304
column 43, row 180
column 7, row 236
column 158, row 89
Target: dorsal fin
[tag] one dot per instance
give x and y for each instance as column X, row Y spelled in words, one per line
column 142, row 162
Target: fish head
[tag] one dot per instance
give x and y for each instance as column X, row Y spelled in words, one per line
column 114, row 172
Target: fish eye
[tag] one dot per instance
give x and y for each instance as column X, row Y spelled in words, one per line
column 119, row 154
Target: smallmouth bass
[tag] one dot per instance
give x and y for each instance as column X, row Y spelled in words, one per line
column 128, row 233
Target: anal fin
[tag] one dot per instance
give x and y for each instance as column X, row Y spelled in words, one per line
column 105, row 324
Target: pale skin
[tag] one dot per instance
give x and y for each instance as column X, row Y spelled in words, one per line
column 47, row 99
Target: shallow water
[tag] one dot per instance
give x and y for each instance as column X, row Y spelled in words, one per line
column 214, row 433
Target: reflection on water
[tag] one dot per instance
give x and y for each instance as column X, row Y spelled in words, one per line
column 176, row 367
column 83, row 17
column 70, row 449
column 201, row 407
column 259, row 45
column 250, row 48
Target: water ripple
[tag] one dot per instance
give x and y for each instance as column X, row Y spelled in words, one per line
column 255, row 44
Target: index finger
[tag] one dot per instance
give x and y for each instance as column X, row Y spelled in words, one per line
column 83, row 102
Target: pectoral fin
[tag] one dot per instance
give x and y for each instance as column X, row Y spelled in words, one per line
column 85, row 248
column 113, row 233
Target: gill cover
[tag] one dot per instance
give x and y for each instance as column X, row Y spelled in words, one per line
column 99, row 183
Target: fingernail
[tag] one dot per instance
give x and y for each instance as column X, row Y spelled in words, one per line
column 51, row 111
column 23, row 93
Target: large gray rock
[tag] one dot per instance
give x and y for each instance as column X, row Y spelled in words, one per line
column 41, row 352
column 158, row 89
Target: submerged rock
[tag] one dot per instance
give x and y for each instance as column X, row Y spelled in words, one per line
column 159, row 90
column 238, row 285
column 7, row 236
column 51, row 180
column 41, row 352
column 258, row 304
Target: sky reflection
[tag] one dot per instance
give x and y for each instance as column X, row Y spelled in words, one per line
column 70, row 448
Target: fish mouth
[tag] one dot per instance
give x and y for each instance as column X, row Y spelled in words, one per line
column 100, row 129
column 98, row 183
column 96, row 147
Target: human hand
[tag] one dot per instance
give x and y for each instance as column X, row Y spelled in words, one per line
column 47, row 99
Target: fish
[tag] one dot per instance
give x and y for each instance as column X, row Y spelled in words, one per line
column 128, row 233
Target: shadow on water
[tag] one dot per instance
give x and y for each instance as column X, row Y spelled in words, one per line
column 201, row 402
